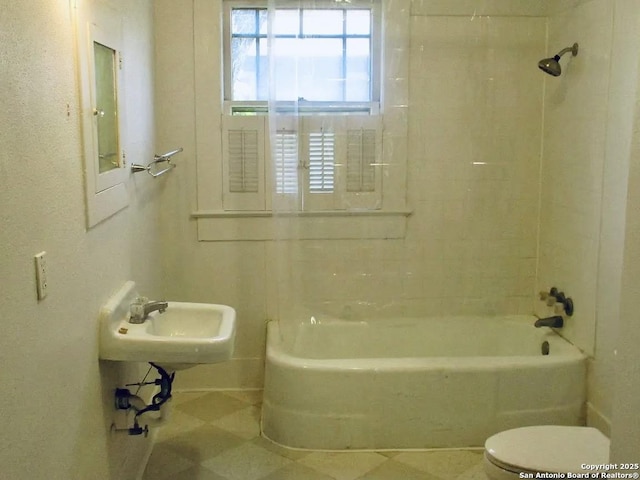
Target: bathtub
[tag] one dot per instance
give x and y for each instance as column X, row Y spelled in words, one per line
column 416, row 383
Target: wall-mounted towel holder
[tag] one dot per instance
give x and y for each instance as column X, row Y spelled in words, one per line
column 157, row 159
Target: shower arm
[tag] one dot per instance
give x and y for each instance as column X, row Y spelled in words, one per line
column 573, row 49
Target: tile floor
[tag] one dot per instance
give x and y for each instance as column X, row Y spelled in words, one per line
column 216, row 436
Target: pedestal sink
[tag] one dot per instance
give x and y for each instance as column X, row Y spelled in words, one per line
column 184, row 335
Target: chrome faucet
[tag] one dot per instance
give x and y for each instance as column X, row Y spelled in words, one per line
column 140, row 310
column 554, row 322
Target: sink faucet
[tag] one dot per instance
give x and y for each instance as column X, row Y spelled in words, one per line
column 141, row 310
column 554, row 322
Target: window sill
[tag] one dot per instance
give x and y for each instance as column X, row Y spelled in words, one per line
column 312, row 225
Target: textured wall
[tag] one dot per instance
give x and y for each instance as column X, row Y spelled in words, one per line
column 57, row 396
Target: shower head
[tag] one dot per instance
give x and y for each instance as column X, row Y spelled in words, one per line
column 552, row 65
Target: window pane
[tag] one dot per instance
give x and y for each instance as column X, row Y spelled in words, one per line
column 263, row 21
column 263, row 70
column 243, row 21
column 244, row 69
column 286, row 68
column 358, row 22
column 358, row 70
column 333, row 69
column 320, row 76
column 322, row 22
column 287, row 22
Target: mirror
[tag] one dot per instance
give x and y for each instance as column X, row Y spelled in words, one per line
column 106, row 108
column 102, row 81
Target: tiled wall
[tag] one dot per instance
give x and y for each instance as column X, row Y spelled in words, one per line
column 474, row 156
column 474, row 124
column 475, row 120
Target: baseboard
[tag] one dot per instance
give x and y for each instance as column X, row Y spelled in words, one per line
column 597, row 420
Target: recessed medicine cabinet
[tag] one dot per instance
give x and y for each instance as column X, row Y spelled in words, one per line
column 100, row 69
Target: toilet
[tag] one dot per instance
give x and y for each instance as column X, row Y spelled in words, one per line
column 540, row 449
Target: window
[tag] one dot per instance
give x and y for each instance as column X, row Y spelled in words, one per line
column 324, row 59
column 329, row 168
column 322, row 69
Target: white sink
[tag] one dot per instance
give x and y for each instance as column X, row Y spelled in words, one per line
column 185, row 335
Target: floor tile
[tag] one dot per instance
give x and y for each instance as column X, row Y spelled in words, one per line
column 197, row 472
column 392, row 470
column 474, row 473
column 297, row 471
column 216, row 436
column 252, row 397
column 244, row 423
column 177, row 424
column 183, row 397
column 246, row 462
column 165, row 463
column 343, row 465
column 202, row 443
column 290, row 453
column 445, row 464
column 211, row 406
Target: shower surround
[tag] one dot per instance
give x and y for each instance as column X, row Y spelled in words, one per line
column 501, row 158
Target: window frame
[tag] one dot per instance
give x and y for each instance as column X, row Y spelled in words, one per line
column 214, row 223
column 305, row 107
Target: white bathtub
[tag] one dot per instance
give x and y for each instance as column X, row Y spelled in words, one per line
column 416, row 383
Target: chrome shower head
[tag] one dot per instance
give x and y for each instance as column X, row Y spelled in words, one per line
column 552, row 65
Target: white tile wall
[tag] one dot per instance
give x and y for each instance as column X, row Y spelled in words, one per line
column 474, row 152
column 574, row 154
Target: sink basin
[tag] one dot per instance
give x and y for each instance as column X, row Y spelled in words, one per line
column 185, row 335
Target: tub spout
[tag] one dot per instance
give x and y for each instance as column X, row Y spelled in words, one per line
column 554, row 322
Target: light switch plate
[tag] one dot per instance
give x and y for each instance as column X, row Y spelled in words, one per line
column 41, row 274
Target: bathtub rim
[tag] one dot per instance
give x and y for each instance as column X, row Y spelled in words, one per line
column 276, row 354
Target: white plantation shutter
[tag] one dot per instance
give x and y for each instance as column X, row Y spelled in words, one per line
column 286, row 161
column 321, row 150
column 314, row 163
column 243, row 160
column 285, row 169
column 243, row 163
column 321, row 161
column 361, row 159
column 361, row 169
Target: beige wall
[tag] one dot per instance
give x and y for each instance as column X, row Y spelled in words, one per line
column 57, row 398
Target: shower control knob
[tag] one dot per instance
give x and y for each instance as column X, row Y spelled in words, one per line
column 551, row 296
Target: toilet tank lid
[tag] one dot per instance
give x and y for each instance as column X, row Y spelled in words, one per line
column 549, row 448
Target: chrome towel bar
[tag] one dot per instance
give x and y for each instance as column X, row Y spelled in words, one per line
column 165, row 157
